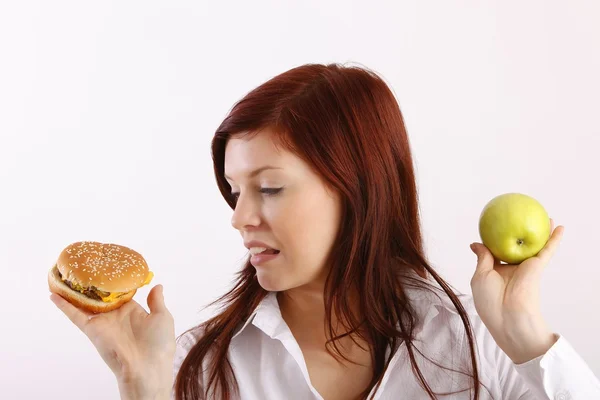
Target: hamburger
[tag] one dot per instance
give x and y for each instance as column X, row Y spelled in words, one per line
column 98, row 277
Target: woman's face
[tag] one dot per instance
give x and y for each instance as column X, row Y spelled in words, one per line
column 284, row 204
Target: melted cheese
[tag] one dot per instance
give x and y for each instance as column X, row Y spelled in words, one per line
column 148, row 278
column 114, row 296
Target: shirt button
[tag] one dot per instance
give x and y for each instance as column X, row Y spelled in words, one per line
column 563, row 395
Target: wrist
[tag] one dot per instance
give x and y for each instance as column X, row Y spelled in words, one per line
column 528, row 340
column 146, row 384
column 145, row 388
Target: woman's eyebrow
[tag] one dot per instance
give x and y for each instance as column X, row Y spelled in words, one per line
column 256, row 171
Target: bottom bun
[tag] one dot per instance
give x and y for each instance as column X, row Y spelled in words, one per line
column 80, row 300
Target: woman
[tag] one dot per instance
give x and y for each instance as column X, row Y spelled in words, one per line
column 338, row 300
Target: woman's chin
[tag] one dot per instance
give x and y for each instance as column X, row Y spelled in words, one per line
column 270, row 283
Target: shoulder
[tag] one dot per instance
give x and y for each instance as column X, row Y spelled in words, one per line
column 434, row 307
column 436, row 311
column 441, row 327
column 190, row 337
column 184, row 343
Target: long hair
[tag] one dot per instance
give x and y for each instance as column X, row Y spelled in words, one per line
column 346, row 123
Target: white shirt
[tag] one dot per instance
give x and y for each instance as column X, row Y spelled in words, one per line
column 269, row 365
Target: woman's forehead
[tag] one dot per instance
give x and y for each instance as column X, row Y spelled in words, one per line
column 251, row 155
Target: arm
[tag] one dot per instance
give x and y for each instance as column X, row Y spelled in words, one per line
column 149, row 387
column 137, row 346
column 560, row 373
column 532, row 361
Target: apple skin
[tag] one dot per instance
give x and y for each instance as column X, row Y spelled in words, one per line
column 514, row 227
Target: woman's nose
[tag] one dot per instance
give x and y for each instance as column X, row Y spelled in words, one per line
column 245, row 213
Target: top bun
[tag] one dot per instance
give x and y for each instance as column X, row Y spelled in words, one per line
column 108, row 267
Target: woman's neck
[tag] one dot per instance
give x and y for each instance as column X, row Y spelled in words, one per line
column 303, row 309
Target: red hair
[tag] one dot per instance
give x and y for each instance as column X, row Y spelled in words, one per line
column 346, row 123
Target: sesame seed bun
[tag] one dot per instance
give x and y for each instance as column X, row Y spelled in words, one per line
column 108, row 268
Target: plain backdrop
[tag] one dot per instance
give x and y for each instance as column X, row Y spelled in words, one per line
column 107, row 109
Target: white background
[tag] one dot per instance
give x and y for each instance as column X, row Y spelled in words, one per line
column 107, row 109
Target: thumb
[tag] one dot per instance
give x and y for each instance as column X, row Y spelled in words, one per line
column 156, row 300
column 485, row 259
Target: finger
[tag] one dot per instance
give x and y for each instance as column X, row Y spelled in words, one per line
column 485, row 259
column 156, row 300
column 78, row 317
column 132, row 306
column 550, row 248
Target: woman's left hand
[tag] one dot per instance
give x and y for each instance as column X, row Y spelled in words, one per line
column 507, row 298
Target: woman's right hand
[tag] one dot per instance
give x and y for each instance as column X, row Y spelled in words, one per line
column 137, row 346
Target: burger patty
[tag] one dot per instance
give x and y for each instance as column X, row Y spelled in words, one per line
column 92, row 292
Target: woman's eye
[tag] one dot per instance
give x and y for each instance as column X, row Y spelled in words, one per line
column 267, row 191
column 270, row 191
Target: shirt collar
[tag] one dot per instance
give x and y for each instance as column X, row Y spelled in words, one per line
column 266, row 316
column 427, row 304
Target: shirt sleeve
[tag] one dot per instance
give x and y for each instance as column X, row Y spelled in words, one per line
column 560, row 374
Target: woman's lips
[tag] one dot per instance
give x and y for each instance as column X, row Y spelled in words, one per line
column 263, row 258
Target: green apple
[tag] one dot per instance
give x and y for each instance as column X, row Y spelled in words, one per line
column 514, row 227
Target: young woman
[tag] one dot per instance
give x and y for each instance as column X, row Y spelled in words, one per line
column 337, row 299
